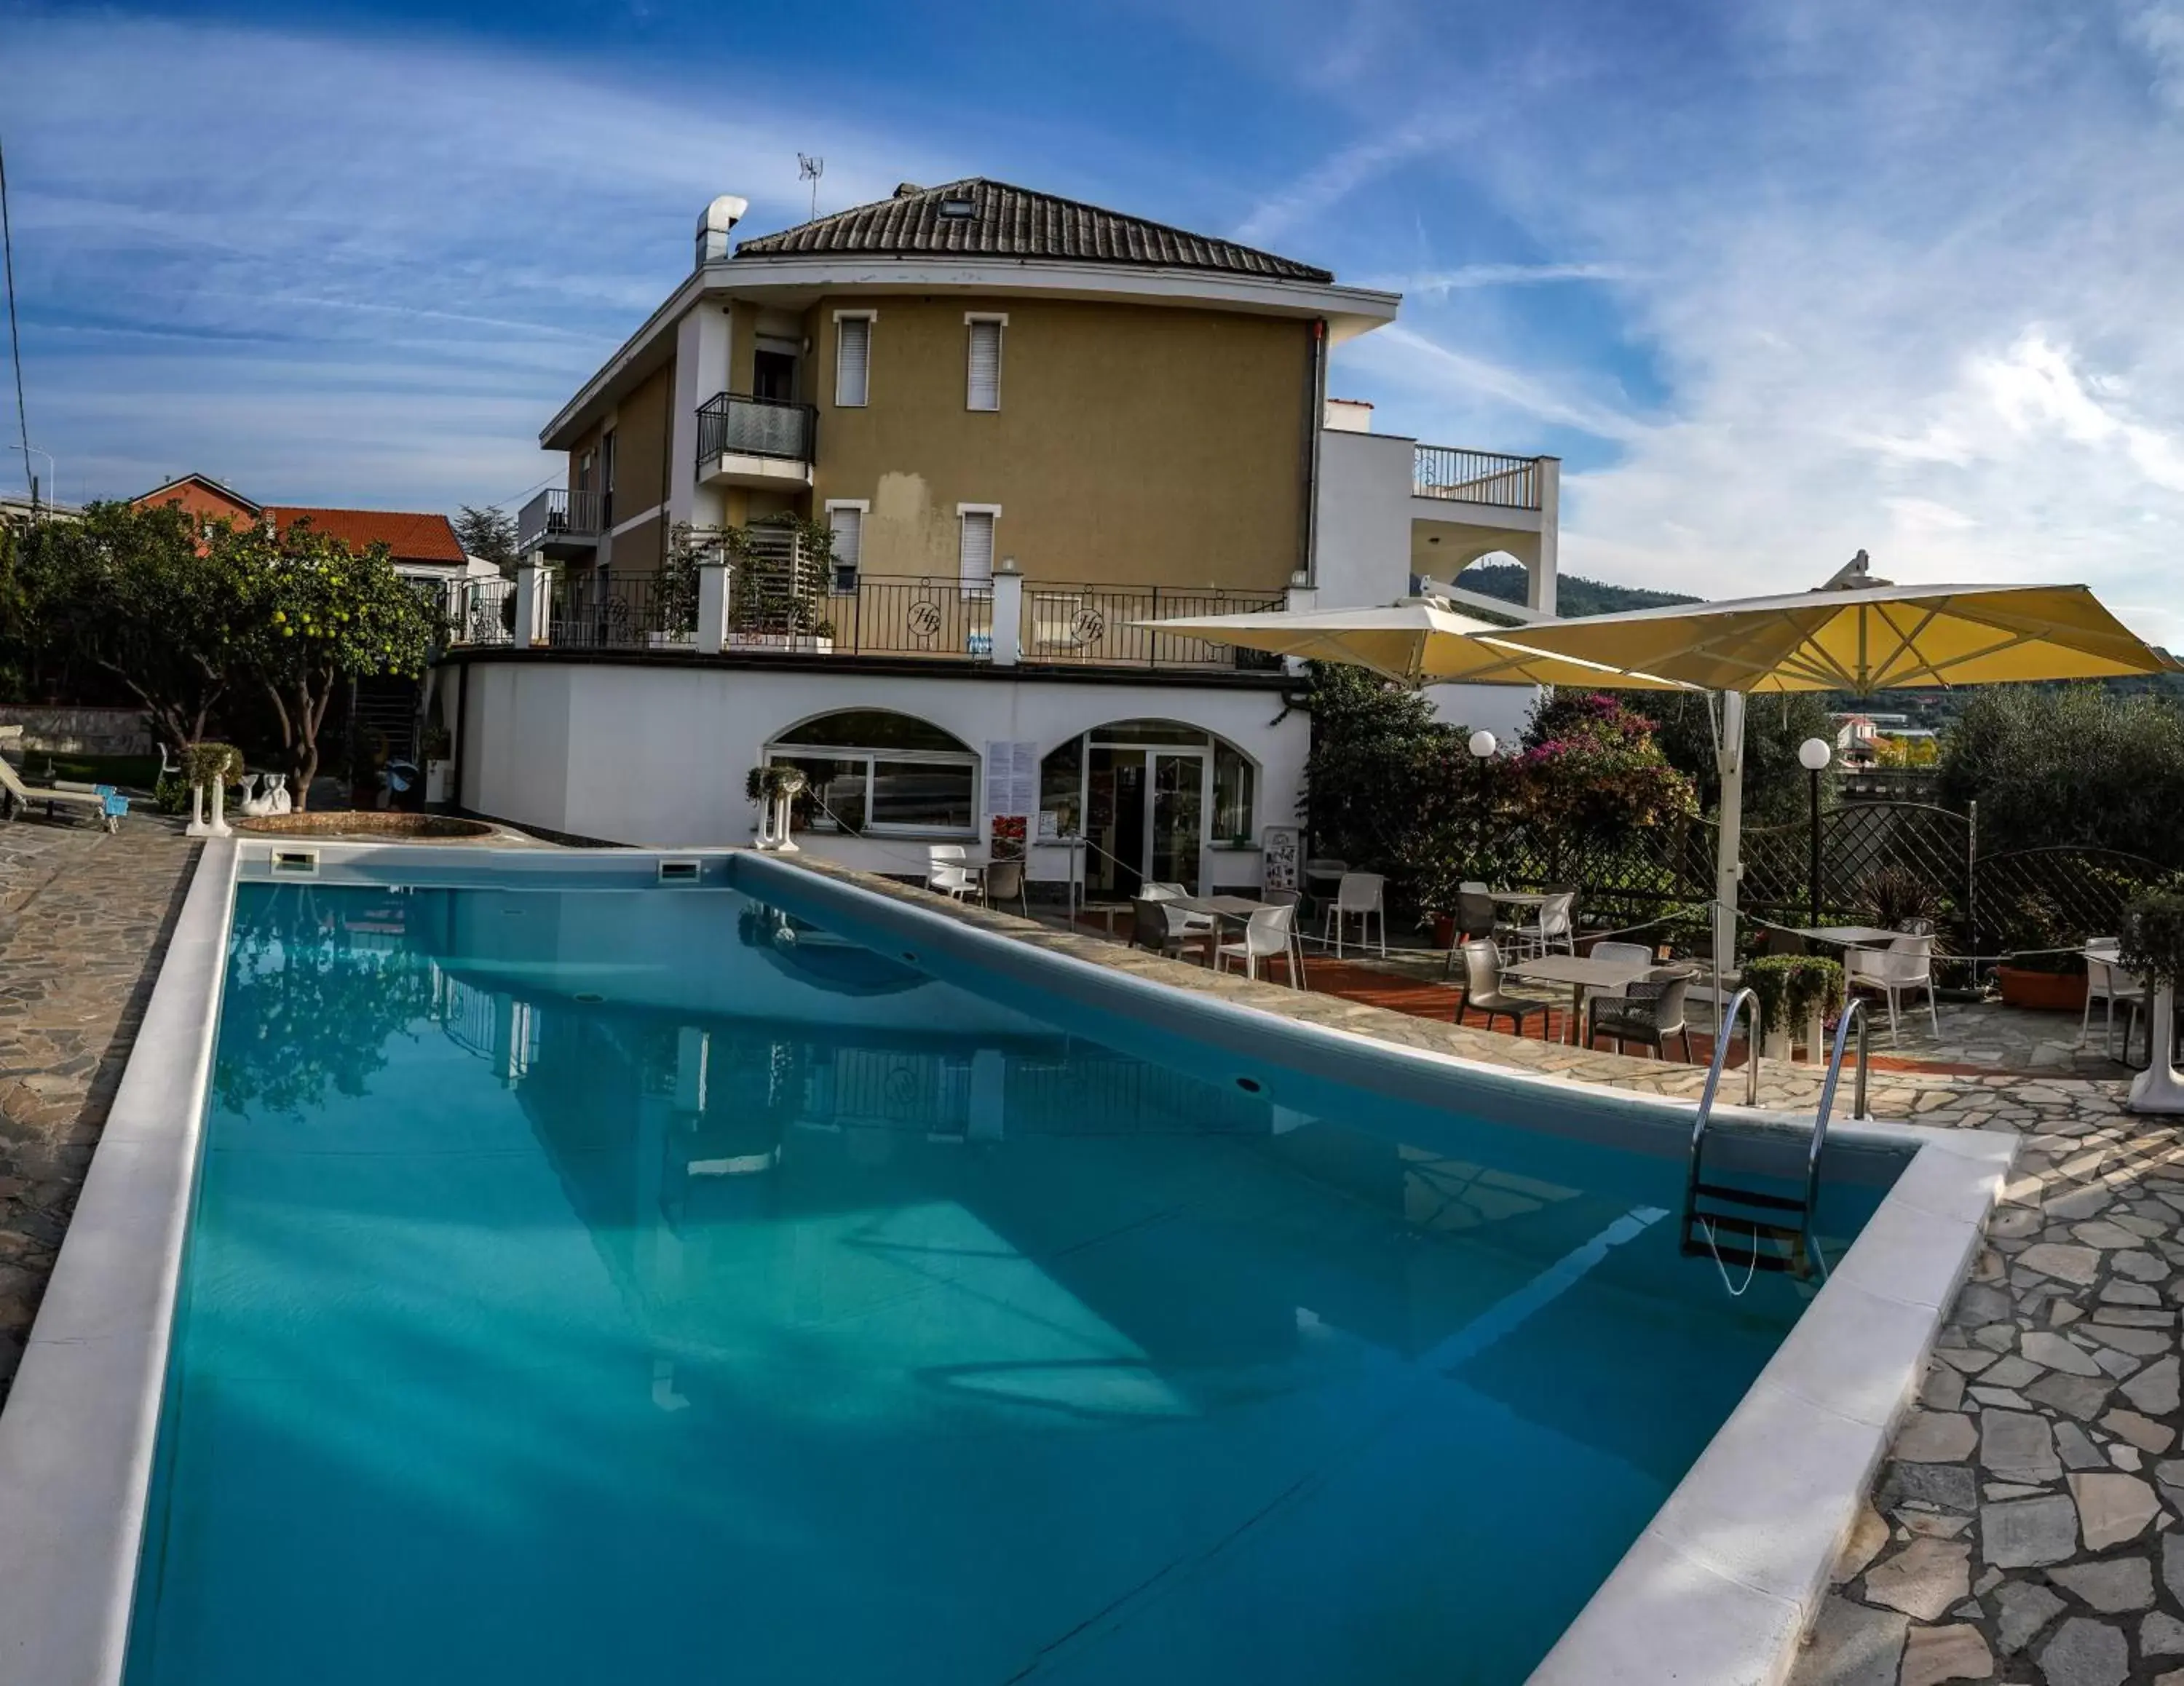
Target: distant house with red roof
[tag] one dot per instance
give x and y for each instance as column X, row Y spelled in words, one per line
column 422, row 545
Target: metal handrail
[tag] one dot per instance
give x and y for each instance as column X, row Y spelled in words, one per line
column 1737, row 1003
column 1853, row 1011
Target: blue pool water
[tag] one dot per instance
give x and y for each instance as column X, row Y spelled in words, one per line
column 606, row 1286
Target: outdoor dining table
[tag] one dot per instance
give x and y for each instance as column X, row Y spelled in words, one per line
column 1240, row 908
column 1581, row 972
column 1521, row 898
column 1850, row 936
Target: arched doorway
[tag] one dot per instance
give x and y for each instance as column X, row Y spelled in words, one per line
column 1148, row 797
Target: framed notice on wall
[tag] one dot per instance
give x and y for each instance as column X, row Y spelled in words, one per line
column 1278, row 858
column 1012, row 794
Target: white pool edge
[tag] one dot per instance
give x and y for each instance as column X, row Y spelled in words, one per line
column 1723, row 1583
column 82, row 1420
column 1716, row 1591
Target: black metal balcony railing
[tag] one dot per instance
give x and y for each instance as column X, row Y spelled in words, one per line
column 774, row 603
column 475, row 611
column 733, row 423
column 593, row 608
column 1096, row 626
column 1490, row 477
column 559, row 515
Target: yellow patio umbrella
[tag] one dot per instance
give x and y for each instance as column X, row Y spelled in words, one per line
column 1416, row 641
column 1862, row 639
column 1855, row 635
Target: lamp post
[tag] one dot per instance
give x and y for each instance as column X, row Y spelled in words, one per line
column 1813, row 755
column 1482, row 746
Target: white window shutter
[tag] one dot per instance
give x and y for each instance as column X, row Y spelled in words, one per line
column 977, row 564
column 985, row 365
column 853, row 357
column 848, row 526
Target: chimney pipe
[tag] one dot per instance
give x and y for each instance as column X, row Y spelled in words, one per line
column 714, row 224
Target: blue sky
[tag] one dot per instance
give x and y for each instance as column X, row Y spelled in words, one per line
column 1778, row 278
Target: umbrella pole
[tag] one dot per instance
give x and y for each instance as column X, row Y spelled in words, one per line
column 1728, row 761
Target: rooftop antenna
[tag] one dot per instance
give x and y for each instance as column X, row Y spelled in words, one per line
column 811, row 169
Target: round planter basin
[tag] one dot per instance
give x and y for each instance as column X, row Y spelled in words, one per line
column 369, row 825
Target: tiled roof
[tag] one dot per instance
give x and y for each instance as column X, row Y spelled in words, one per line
column 983, row 219
column 208, row 483
column 411, row 538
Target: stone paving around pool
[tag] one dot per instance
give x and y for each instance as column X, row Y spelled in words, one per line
column 84, row 918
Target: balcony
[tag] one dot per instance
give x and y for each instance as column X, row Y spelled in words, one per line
column 780, row 604
column 1451, row 475
column 567, row 525
column 765, row 444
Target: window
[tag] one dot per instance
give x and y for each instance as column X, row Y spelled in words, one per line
column 1061, row 786
column 606, row 481
column 853, row 358
column 976, row 562
column 1232, row 795
column 873, row 770
column 985, row 388
column 846, row 517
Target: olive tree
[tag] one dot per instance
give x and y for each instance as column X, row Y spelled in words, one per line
column 319, row 615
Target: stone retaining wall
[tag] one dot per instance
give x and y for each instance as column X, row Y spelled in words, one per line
column 80, row 730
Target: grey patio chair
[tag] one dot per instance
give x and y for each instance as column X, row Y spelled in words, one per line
column 1482, row 988
column 1159, row 926
column 1650, row 1011
column 1474, row 917
column 1005, row 882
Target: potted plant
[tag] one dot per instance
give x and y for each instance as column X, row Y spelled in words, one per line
column 439, row 763
column 1793, row 990
column 774, row 788
column 2043, row 972
column 2152, row 947
column 1435, row 879
column 216, row 767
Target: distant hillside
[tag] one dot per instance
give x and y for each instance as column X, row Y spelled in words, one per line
column 1572, row 594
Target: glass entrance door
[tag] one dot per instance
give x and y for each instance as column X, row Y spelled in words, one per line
column 1175, row 818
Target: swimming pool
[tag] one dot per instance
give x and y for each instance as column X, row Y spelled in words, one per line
column 620, row 1283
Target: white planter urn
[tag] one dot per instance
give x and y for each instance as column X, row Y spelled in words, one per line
column 773, row 833
column 1776, row 1045
column 2160, row 1087
column 216, row 826
column 438, row 781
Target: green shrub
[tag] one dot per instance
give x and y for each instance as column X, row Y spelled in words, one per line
column 171, row 794
column 2154, row 937
column 1790, row 987
column 2078, row 764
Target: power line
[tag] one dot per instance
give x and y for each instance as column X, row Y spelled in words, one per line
column 14, row 332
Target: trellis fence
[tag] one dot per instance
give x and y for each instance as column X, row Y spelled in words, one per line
column 1989, row 898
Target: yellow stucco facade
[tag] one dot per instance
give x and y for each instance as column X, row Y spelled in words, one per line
column 1133, row 444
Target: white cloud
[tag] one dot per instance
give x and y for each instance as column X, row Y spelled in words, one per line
column 355, row 270
column 1439, row 283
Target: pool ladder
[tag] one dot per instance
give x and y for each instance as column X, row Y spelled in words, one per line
column 1766, row 1232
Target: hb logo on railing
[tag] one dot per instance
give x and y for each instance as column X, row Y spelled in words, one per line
column 1088, row 626
column 924, row 618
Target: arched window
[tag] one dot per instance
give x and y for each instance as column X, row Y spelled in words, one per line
column 875, row 770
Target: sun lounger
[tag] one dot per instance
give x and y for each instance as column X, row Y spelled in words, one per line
column 100, row 800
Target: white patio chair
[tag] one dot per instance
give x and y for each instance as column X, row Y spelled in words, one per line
column 1359, row 896
column 2109, row 983
column 1198, row 925
column 1635, row 953
column 1554, row 924
column 1265, row 935
column 1293, row 900
column 946, row 872
column 1905, row 964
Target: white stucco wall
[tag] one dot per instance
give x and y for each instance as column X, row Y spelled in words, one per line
column 1361, row 541
column 655, row 754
